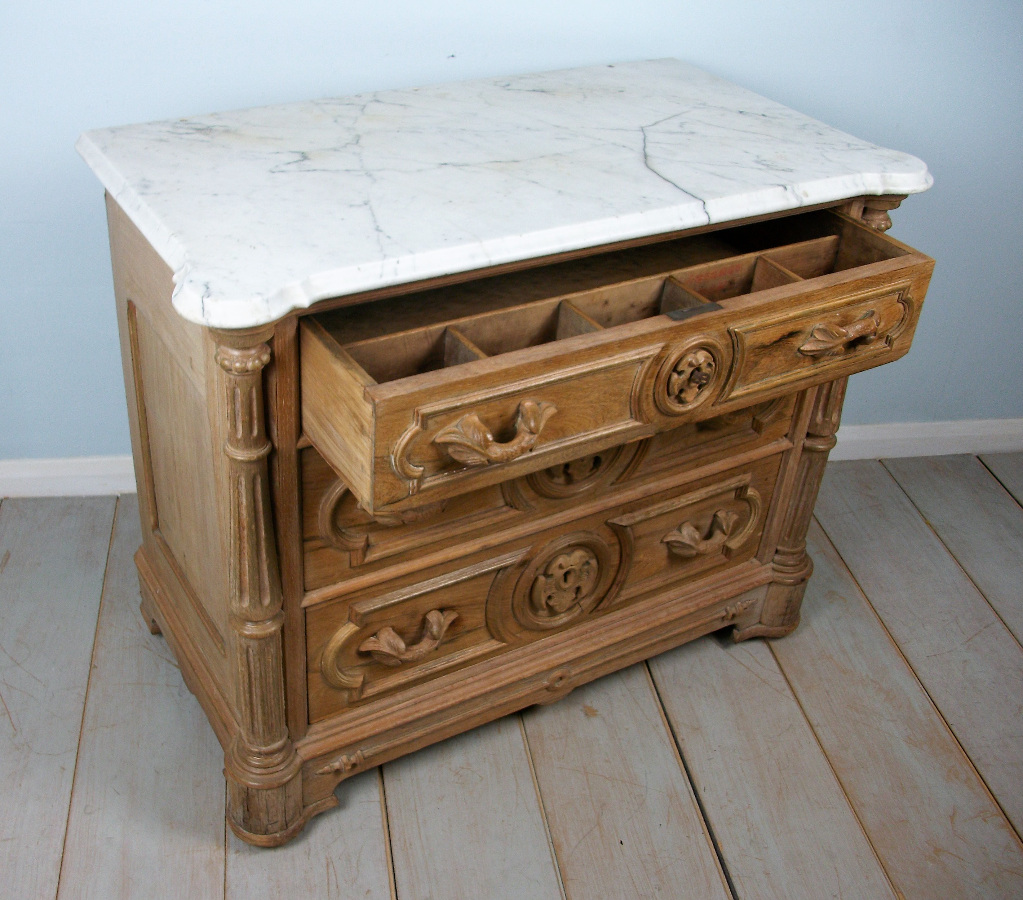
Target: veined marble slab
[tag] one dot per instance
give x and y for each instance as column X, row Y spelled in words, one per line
column 263, row 211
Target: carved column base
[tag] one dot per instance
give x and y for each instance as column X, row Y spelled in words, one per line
column 780, row 612
column 264, row 805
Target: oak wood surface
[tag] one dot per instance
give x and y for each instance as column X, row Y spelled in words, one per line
column 1008, row 469
column 53, row 554
column 621, row 811
column 977, row 519
column 965, row 657
column 147, row 816
column 783, row 824
column 466, row 820
column 926, row 812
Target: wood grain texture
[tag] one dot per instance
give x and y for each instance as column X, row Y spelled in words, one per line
column 1008, row 469
column 781, row 820
column 622, row 815
column 965, row 657
column 147, row 815
column 979, row 522
column 466, row 821
column 927, row 813
column 52, row 557
column 342, row 856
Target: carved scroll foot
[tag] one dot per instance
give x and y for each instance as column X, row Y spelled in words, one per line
column 779, row 615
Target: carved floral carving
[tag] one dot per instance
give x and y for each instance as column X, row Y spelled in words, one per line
column 832, row 340
column 690, row 375
column 734, row 610
column 389, row 648
column 471, row 443
column 568, row 578
column 688, row 379
column 343, row 764
column 564, row 581
column 688, row 540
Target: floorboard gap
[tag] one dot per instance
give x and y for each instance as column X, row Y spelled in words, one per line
column 689, row 777
column 543, row 809
column 923, row 687
column 948, row 550
column 88, row 684
column 845, row 793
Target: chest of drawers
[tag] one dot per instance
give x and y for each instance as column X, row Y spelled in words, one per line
column 446, row 401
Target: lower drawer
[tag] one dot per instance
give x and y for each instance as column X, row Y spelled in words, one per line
column 411, row 629
column 341, row 540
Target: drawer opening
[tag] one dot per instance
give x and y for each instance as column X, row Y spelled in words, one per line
column 729, row 279
column 816, row 244
column 409, row 353
column 416, row 351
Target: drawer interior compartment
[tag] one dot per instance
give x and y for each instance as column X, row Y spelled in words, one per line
column 436, row 393
column 678, row 294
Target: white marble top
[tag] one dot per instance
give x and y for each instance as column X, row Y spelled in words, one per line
column 263, row 211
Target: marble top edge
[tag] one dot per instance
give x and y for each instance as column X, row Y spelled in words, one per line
column 263, row 211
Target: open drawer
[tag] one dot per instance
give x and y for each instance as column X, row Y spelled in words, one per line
column 421, row 397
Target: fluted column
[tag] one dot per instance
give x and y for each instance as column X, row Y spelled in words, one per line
column 264, row 792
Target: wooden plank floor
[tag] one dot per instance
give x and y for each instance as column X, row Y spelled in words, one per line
column 876, row 752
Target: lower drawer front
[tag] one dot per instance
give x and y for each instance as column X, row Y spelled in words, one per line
column 409, row 630
column 341, row 540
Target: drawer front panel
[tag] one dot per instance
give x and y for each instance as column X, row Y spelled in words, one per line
column 340, row 539
column 412, row 417
column 518, row 424
column 415, row 628
column 846, row 333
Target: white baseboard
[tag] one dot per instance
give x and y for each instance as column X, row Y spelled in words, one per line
column 95, row 475
column 929, row 438
column 82, row 476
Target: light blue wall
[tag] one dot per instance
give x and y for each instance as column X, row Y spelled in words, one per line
column 939, row 79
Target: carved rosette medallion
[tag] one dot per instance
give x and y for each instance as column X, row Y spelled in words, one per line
column 688, row 378
column 567, row 580
column 582, row 475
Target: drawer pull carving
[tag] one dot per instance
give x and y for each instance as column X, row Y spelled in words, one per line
column 471, row 443
column 826, row 340
column 389, row 648
column 688, row 541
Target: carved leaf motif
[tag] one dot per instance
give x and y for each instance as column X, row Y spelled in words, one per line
column 471, row 443
column 732, row 610
column 389, row 648
column 688, row 541
column 826, row 340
